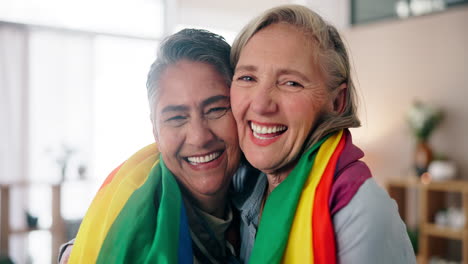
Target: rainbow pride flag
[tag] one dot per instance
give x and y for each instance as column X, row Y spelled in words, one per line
column 137, row 216
column 296, row 225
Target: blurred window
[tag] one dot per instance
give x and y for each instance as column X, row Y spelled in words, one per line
column 79, row 100
column 121, row 112
column 141, row 18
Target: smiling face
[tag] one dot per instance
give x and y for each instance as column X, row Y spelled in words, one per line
column 194, row 128
column 277, row 96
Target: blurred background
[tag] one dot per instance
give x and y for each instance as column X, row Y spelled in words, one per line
column 73, row 100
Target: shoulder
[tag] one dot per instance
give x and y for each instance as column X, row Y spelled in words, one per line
column 370, row 199
column 369, row 229
column 348, row 181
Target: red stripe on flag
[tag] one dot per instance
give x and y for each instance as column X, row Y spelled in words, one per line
column 322, row 225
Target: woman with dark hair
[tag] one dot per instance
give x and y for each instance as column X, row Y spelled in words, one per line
column 168, row 202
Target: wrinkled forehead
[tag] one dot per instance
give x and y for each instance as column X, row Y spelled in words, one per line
column 189, row 83
column 297, row 36
column 185, row 71
column 283, row 47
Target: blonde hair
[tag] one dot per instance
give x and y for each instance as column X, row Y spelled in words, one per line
column 332, row 60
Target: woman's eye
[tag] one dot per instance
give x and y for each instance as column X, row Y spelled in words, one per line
column 246, row 78
column 244, row 81
column 176, row 120
column 293, row 83
column 216, row 112
column 290, row 86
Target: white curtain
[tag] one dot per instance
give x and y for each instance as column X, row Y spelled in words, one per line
column 46, row 105
column 63, row 90
column 13, row 102
column 14, row 121
column 61, row 76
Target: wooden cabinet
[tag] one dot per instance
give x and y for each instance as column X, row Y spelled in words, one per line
column 434, row 240
column 57, row 228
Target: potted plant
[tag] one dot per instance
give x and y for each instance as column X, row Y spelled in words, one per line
column 423, row 119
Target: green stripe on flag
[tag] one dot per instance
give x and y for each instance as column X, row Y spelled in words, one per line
column 279, row 211
column 147, row 228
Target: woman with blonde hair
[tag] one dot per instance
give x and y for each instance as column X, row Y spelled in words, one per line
column 293, row 99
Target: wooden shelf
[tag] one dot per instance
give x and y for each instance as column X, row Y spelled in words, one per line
column 442, row 186
column 57, row 229
column 444, row 232
column 27, row 230
column 431, row 198
column 406, row 183
column 28, row 184
column 25, row 184
column 447, row 186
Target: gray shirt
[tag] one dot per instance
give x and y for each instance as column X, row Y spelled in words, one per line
column 368, row 229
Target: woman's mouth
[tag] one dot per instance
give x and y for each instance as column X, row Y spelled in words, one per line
column 195, row 160
column 205, row 161
column 264, row 134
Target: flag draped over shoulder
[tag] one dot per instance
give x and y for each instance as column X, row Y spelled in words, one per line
column 296, row 225
column 137, row 216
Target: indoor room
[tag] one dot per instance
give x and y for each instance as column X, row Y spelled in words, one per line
column 74, row 106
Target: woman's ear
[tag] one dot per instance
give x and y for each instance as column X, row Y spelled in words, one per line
column 339, row 101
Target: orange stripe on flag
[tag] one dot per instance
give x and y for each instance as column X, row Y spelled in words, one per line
column 111, row 176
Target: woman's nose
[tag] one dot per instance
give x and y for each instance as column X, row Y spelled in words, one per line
column 199, row 133
column 263, row 102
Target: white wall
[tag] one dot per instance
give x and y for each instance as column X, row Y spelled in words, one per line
column 228, row 15
column 231, row 16
column 398, row 61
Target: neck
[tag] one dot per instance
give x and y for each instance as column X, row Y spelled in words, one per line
column 278, row 176
column 214, row 205
column 274, row 180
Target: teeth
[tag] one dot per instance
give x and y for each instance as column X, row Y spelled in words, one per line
column 260, row 137
column 258, row 129
column 204, row 159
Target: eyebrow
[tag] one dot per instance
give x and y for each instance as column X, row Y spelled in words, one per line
column 214, row 99
column 246, row 68
column 281, row 71
column 174, row 108
column 290, row 71
column 182, row 108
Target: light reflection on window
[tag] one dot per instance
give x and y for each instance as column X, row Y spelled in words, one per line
column 142, row 18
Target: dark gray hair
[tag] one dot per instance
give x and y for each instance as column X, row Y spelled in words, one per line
column 189, row 44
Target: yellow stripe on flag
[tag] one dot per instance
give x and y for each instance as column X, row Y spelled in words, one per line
column 300, row 243
column 106, row 206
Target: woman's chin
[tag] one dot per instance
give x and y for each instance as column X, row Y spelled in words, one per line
column 261, row 163
column 277, row 166
column 211, row 189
